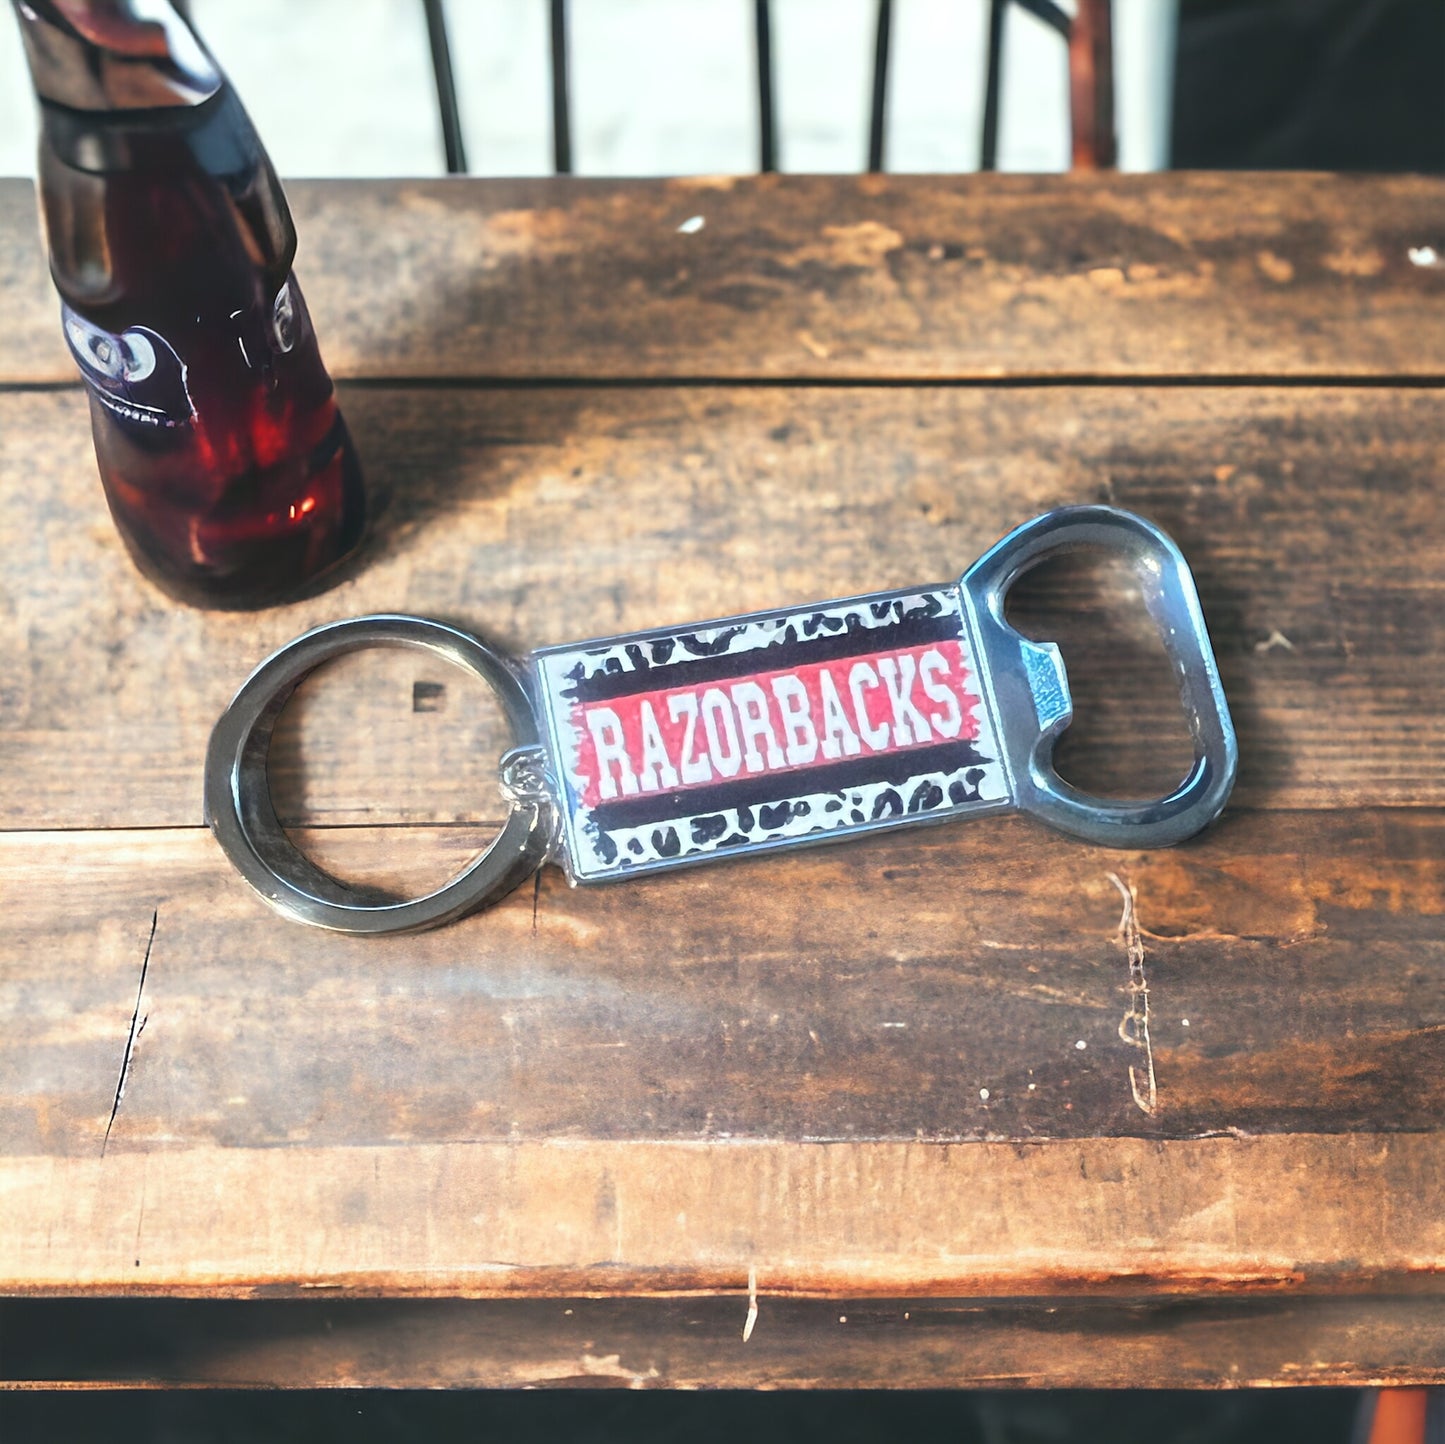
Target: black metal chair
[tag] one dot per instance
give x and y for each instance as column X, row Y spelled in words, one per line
column 1088, row 35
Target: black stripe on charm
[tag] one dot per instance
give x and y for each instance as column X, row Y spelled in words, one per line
column 685, row 660
column 897, row 769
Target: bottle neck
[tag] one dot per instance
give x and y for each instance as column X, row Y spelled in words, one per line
column 115, row 55
column 139, row 130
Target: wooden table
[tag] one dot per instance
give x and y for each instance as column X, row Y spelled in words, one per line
column 860, row 1116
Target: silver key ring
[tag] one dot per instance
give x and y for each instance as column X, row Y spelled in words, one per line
column 666, row 748
column 240, row 812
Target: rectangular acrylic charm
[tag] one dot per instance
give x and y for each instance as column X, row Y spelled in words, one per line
column 758, row 732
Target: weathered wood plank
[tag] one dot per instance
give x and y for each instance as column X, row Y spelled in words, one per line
column 959, row 983
column 842, row 277
column 561, row 1218
column 1309, row 516
column 898, row 1343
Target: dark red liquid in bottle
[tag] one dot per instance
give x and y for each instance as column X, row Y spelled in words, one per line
column 227, row 465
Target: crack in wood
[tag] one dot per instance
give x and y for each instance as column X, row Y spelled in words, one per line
column 137, row 1023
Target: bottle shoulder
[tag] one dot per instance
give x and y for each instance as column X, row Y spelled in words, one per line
column 131, row 200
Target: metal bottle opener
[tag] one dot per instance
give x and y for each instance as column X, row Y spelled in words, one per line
column 803, row 725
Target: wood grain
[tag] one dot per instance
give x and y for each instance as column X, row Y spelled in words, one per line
column 951, row 984
column 841, row 277
column 560, row 1218
column 896, row 1343
column 545, row 516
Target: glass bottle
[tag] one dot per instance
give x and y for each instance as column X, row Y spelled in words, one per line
column 227, row 465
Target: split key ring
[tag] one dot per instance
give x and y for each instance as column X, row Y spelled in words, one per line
column 666, row 748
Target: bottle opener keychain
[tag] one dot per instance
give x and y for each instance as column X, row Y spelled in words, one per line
column 809, row 724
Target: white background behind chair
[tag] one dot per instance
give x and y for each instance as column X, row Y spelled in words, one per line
column 659, row 87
